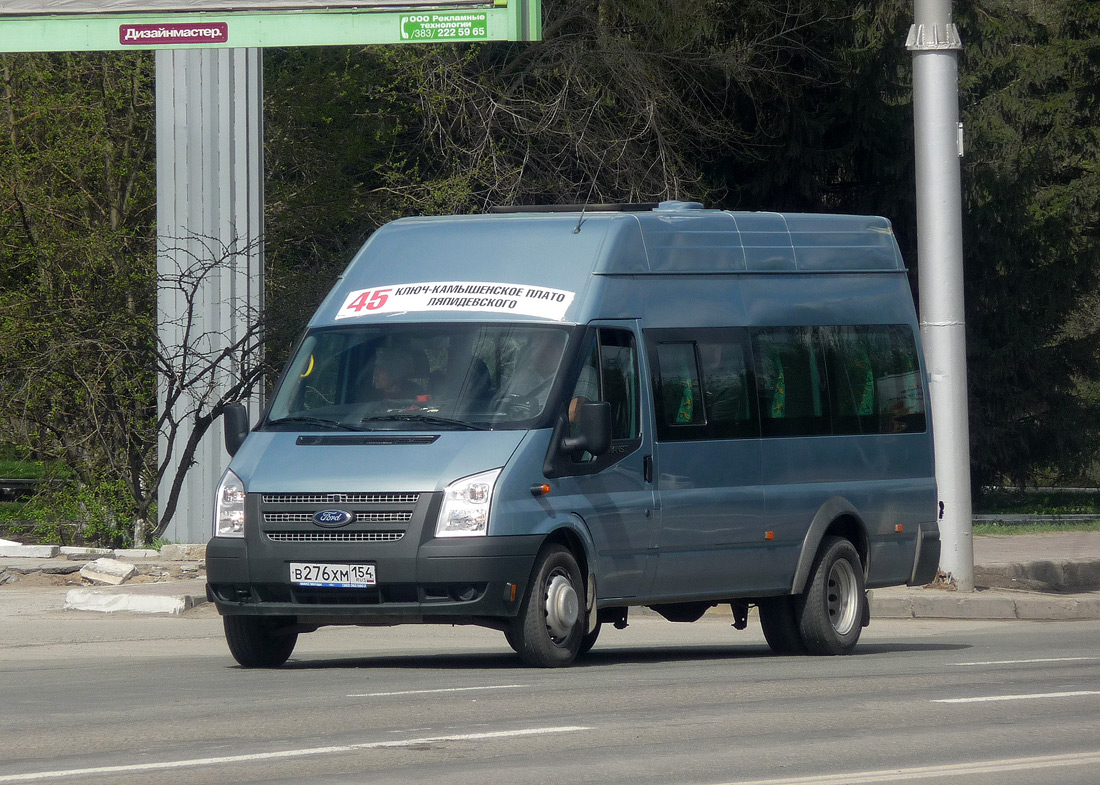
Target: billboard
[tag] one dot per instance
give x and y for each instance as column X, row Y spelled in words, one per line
column 105, row 25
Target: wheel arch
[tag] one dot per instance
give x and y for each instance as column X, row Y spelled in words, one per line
column 837, row 517
column 575, row 537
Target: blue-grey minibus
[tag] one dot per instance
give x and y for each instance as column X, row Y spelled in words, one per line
column 537, row 419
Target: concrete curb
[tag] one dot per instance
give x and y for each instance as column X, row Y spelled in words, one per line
column 909, row 603
column 172, row 598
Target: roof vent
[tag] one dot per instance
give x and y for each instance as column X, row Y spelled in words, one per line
column 675, row 205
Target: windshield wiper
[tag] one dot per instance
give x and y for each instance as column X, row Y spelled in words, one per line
column 319, row 421
column 429, row 419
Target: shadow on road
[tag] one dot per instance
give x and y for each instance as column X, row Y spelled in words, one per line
column 506, row 660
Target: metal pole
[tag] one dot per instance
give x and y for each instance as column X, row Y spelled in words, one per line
column 935, row 45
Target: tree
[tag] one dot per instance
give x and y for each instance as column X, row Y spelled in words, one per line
column 1029, row 85
column 623, row 100
column 77, row 274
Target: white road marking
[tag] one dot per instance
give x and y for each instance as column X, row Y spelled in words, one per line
column 298, row 753
column 932, row 772
column 1026, row 662
column 1025, row 697
column 432, row 692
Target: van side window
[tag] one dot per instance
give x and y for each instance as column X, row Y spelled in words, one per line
column 679, row 388
column 610, row 373
column 619, row 377
column 874, row 379
column 725, row 371
column 702, row 384
column 790, row 382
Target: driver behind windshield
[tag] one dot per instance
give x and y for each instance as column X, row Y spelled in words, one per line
column 392, row 377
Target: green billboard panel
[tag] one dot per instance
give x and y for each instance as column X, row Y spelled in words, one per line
column 105, row 25
column 470, row 26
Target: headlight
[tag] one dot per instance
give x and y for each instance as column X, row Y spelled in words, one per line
column 229, row 507
column 465, row 511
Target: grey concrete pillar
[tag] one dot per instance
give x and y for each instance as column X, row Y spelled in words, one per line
column 209, row 250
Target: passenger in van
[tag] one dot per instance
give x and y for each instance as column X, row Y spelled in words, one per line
column 392, row 375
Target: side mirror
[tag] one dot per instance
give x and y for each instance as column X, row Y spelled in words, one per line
column 236, row 426
column 593, row 429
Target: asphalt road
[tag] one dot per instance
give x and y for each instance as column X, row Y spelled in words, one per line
column 109, row 699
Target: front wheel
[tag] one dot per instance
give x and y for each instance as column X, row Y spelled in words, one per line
column 549, row 629
column 831, row 611
column 259, row 641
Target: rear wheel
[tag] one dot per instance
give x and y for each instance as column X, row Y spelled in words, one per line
column 549, row 628
column 259, row 641
column 830, row 612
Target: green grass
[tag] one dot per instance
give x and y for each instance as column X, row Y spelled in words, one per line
column 1038, row 503
column 13, row 469
column 1035, row 528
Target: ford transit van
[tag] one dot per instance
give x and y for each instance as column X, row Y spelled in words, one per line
column 538, row 419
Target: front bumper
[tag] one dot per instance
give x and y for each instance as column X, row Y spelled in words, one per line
column 474, row 580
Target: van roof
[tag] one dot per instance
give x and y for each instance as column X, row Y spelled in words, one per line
column 568, row 248
column 683, row 237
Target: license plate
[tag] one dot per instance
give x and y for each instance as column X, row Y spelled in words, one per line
column 340, row 576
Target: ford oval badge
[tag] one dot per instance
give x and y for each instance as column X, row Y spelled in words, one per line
column 333, row 518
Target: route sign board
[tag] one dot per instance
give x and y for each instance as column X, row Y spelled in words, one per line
column 106, row 25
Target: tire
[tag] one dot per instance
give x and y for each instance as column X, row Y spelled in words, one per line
column 589, row 640
column 780, row 625
column 549, row 629
column 831, row 610
column 257, row 642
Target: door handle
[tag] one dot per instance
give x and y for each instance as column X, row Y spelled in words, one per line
column 647, row 468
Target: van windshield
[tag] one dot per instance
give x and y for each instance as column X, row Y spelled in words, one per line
column 417, row 376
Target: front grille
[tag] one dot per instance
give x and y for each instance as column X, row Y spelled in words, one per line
column 331, row 536
column 360, row 517
column 341, row 498
column 373, row 517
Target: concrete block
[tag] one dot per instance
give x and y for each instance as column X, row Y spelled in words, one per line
column 71, row 551
column 109, row 571
column 61, row 568
column 172, row 603
column 138, row 554
column 1082, row 575
column 181, row 552
column 29, row 551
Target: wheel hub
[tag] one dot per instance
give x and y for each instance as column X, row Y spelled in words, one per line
column 563, row 607
column 841, row 599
